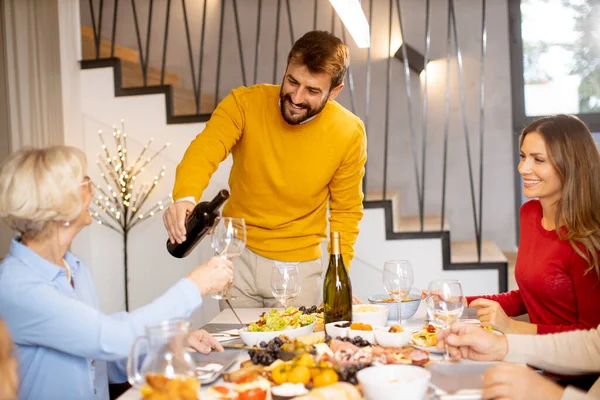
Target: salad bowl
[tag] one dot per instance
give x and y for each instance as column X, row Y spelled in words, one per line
column 291, row 322
column 254, row 338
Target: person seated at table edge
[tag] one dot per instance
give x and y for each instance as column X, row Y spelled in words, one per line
column 574, row 352
column 68, row 348
column 557, row 263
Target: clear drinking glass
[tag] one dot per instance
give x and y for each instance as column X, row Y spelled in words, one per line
column 445, row 303
column 285, row 283
column 397, row 281
column 228, row 241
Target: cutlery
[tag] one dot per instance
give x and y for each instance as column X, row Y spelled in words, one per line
column 234, row 313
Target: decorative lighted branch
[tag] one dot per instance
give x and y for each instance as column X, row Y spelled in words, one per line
column 120, row 197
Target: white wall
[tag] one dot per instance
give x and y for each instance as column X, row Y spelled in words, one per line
column 152, row 268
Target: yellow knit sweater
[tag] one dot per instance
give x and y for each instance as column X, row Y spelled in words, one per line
column 283, row 176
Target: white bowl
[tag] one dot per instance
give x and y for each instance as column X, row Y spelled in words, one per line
column 254, row 338
column 369, row 336
column 378, row 317
column 335, row 331
column 385, row 338
column 386, row 382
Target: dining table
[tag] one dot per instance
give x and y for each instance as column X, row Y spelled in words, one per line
column 470, row 380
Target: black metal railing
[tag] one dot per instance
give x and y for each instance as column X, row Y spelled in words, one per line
column 157, row 40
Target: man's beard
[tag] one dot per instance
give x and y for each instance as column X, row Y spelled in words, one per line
column 286, row 100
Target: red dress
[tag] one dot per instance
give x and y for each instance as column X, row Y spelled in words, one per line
column 553, row 287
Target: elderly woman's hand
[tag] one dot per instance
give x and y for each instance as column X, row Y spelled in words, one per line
column 213, row 276
column 518, row 382
column 203, row 342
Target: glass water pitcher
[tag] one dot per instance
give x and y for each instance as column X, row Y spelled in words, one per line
column 166, row 354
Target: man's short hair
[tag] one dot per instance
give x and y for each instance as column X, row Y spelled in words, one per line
column 321, row 51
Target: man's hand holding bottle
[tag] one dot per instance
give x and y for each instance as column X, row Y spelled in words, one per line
column 174, row 218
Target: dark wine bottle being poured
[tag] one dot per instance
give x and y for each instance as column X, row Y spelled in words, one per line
column 202, row 218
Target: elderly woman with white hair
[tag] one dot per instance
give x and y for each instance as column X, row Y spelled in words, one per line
column 67, row 348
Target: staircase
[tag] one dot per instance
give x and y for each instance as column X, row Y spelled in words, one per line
column 401, row 231
column 129, row 79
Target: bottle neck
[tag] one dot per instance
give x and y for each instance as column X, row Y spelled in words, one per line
column 336, row 245
column 218, row 200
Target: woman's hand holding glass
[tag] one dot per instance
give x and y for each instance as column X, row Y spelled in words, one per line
column 228, row 241
column 213, row 276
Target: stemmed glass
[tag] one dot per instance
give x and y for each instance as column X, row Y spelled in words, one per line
column 228, row 242
column 445, row 303
column 285, row 283
column 397, row 281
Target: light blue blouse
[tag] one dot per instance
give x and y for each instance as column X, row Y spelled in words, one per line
column 67, row 348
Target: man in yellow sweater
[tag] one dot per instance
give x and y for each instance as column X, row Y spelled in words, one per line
column 295, row 152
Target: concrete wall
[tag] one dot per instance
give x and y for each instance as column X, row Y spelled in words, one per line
column 498, row 209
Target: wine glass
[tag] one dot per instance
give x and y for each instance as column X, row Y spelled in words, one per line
column 228, row 241
column 445, row 303
column 285, row 283
column 397, row 281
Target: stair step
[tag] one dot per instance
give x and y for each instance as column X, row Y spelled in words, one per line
column 89, row 49
column 412, row 223
column 466, row 252
column 131, row 76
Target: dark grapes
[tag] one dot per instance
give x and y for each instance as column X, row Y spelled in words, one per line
column 266, row 353
column 310, row 310
column 348, row 374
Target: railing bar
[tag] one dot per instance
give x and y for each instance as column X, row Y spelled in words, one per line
column 289, row 15
column 190, row 54
column 94, row 31
column 164, row 54
column 276, row 41
column 114, row 30
column 463, row 107
column 368, row 85
column 201, row 58
column 482, row 122
column 350, row 78
column 239, row 38
column 424, row 112
column 139, row 41
column 257, row 45
column 408, row 91
column 387, row 104
column 148, row 30
column 315, row 13
column 219, row 54
column 446, row 116
column 99, row 38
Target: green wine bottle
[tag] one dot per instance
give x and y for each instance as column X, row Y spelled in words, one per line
column 337, row 289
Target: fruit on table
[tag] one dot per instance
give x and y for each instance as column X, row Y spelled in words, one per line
column 326, row 377
column 299, row 374
column 280, row 373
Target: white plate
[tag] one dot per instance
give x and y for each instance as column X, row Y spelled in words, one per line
column 254, row 338
column 431, row 349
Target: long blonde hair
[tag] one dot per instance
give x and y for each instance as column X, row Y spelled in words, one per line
column 8, row 365
column 575, row 157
